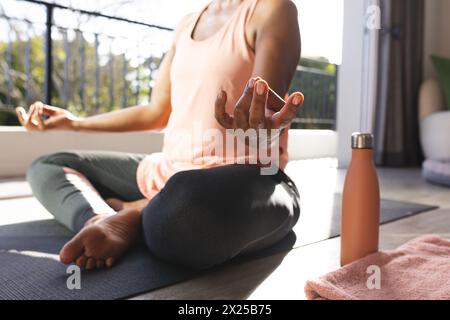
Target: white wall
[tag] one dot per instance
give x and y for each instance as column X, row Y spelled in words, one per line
column 350, row 78
column 310, row 144
column 437, row 30
column 19, row 148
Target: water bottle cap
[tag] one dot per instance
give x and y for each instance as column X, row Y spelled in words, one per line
column 362, row 140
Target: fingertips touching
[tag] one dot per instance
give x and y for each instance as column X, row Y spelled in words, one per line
column 261, row 88
column 293, row 103
column 21, row 115
column 297, row 99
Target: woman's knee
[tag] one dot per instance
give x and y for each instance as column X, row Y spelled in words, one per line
column 178, row 226
column 36, row 173
column 43, row 167
column 191, row 223
column 62, row 158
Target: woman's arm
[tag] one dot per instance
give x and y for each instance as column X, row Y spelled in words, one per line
column 273, row 32
column 138, row 118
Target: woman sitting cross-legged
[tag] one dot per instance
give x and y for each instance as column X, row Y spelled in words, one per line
column 201, row 201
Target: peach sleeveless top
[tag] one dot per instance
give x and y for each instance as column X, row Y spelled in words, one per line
column 199, row 70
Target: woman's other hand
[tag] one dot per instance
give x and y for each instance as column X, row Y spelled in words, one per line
column 55, row 118
column 253, row 111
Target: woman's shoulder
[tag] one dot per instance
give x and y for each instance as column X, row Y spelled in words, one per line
column 266, row 8
column 184, row 23
column 186, row 20
column 289, row 4
column 273, row 17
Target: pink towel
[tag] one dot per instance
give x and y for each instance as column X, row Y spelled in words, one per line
column 418, row 270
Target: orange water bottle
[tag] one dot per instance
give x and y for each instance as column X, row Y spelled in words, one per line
column 360, row 219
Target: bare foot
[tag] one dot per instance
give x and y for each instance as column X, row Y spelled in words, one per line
column 103, row 240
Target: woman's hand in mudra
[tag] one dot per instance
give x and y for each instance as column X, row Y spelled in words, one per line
column 258, row 108
column 56, row 118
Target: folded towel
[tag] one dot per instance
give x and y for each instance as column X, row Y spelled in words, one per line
column 418, row 270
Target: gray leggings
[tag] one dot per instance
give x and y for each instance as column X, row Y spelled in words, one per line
column 199, row 219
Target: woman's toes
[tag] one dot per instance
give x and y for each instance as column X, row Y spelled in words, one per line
column 91, row 263
column 100, row 263
column 71, row 250
column 109, row 262
column 81, row 261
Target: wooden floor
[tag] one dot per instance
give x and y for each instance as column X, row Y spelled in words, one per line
column 283, row 276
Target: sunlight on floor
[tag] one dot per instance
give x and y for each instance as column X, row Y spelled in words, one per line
column 309, row 262
column 316, row 181
column 36, row 254
column 22, row 210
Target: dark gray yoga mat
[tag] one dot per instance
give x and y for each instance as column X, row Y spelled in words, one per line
column 390, row 210
column 29, row 268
